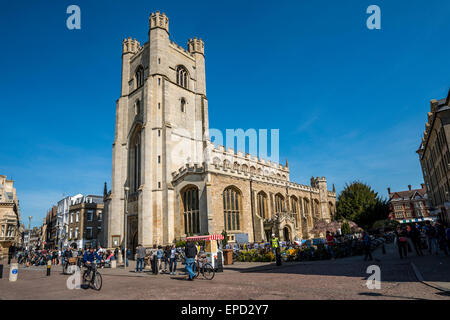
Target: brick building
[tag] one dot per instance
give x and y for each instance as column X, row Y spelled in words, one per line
column 85, row 221
column 411, row 205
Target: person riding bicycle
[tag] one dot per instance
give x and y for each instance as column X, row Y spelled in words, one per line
column 89, row 257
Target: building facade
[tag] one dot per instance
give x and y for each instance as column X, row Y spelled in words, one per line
column 168, row 179
column 434, row 156
column 9, row 217
column 411, row 205
column 62, row 220
column 85, row 221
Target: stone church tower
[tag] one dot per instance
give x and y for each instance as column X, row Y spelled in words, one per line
column 170, row 181
column 161, row 118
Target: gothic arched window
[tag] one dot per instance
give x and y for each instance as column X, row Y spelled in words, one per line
column 139, row 76
column 231, row 208
column 182, row 76
column 135, row 161
column 262, row 205
column 191, row 212
column 294, row 209
column 279, row 203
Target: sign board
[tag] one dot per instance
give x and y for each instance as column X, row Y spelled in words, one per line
column 13, row 272
column 241, row 237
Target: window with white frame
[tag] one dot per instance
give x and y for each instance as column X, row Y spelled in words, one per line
column 90, row 215
column 88, row 233
column 78, row 216
column 100, row 215
column 10, row 231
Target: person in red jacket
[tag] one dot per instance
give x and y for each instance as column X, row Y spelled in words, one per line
column 330, row 244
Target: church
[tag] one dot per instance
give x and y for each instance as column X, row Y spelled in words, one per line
column 161, row 192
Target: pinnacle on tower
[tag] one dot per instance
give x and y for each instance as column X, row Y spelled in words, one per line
column 130, row 46
column 159, row 20
column 196, row 46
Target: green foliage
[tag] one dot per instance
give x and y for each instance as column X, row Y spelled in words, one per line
column 225, row 238
column 359, row 203
column 345, row 228
column 180, row 243
column 385, row 224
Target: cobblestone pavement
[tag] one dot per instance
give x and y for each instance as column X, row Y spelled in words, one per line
column 336, row 279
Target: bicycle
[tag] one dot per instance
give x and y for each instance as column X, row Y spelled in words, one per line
column 91, row 277
column 205, row 268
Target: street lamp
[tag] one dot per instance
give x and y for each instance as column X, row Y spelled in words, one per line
column 127, row 189
column 29, row 230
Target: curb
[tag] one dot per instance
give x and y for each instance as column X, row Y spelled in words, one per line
column 430, row 284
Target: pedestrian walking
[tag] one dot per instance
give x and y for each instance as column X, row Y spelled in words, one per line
column 414, row 235
column 140, row 250
column 166, row 258
column 367, row 246
column 430, row 232
column 190, row 253
column 402, row 242
column 330, row 244
column 441, row 237
column 173, row 260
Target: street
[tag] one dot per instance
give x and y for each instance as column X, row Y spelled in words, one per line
column 332, row 279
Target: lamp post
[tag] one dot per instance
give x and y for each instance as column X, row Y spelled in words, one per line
column 29, row 231
column 127, row 189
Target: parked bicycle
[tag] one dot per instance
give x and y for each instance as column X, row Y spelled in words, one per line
column 205, row 268
column 91, row 277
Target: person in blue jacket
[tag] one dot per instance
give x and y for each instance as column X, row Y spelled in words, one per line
column 89, row 257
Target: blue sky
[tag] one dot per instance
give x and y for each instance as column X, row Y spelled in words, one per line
column 350, row 102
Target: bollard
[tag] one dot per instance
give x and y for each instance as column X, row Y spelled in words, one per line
column 1, row 271
column 13, row 272
column 49, row 266
column 113, row 264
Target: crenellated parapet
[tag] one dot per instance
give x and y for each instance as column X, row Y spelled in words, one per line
column 159, row 20
column 230, row 160
column 188, row 168
column 130, row 46
column 196, row 46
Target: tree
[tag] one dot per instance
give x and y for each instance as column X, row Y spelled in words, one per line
column 345, row 228
column 359, row 203
column 225, row 238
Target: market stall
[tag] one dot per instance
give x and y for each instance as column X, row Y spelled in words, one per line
column 211, row 248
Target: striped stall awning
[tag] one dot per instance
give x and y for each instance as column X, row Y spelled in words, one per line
column 205, row 238
column 417, row 220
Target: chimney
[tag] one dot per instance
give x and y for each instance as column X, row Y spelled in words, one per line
column 389, row 190
column 409, row 187
column 423, row 185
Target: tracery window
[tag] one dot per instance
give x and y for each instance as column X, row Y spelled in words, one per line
column 182, row 76
column 231, row 204
column 191, row 212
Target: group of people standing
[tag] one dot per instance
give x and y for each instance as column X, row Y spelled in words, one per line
column 432, row 236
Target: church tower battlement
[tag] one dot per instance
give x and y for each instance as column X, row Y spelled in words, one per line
column 130, row 46
column 196, row 46
column 159, row 20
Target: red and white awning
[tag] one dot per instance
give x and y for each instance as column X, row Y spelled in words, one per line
column 204, row 238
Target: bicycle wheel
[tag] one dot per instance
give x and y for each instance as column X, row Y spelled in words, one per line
column 87, row 277
column 97, row 283
column 208, row 271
